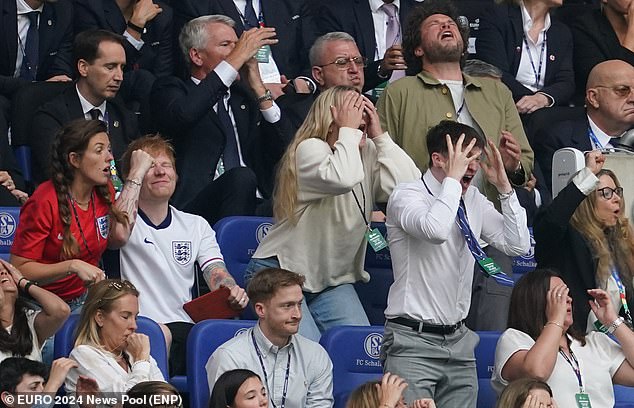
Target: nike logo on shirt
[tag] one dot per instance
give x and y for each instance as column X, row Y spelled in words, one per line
column 147, row 241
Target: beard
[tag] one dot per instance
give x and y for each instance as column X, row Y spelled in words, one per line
column 444, row 53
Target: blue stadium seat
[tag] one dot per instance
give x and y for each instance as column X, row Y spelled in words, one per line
column 9, row 219
column 373, row 295
column 623, row 396
column 23, row 157
column 64, row 339
column 485, row 358
column 354, row 351
column 525, row 263
column 204, row 338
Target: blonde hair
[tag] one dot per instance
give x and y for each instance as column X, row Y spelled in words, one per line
column 515, row 394
column 364, row 396
column 608, row 244
column 101, row 296
column 316, row 125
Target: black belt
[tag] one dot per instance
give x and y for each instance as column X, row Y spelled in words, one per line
column 422, row 327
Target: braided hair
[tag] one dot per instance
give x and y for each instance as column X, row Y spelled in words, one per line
column 75, row 138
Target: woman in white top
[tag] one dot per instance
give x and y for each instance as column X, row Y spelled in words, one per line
column 540, row 343
column 24, row 330
column 338, row 165
column 107, row 347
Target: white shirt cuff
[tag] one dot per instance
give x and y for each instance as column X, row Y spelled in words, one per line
column 272, row 114
column 585, row 181
column 135, row 43
column 226, row 72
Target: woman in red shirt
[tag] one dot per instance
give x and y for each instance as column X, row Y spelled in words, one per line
column 70, row 220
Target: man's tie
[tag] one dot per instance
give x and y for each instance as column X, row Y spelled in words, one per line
column 230, row 155
column 250, row 19
column 393, row 33
column 94, row 114
column 31, row 49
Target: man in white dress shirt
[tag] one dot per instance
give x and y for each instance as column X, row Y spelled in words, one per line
column 426, row 341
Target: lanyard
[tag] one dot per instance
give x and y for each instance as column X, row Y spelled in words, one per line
column 575, row 367
column 266, row 377
column 94, row 215
column 594, row 139
column 538, row 72
column 459, row 111
column 244, row 18
column 361, row 209
column 619, row 285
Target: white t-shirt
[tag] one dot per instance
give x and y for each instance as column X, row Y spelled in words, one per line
column 36, row 352
column 159, row 260
column 598, row 361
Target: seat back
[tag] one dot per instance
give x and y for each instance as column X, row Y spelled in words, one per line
column 623, row 396
column 485, row 360
column 354, row 351
column 65, row 338
column 204, row 338
column 525, row 263
column 9, row 219
column 238, row 238
column 373, row 295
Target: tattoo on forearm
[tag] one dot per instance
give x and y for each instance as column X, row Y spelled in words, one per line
column 216, row 275
column 128, row 202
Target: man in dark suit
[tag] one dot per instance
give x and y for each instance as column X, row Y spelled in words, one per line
column 99, row 61
column 213, row 119
column 609, row 113
column 293, row 25
column 365, row 21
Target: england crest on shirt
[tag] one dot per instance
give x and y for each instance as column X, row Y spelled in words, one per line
column 103, row 225
column 182, row 251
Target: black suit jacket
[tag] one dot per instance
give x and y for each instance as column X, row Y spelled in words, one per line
column 569, row 133
column 595, row 41
column 355, row 18
column 53, row 115
column 293, row 25
column 560, row 246
column 183, row 112
column 500, row 41
column 156, row 53
column 56, row 42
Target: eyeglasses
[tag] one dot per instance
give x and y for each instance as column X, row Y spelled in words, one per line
column 621, row 91
column 344, row 63
column 608, row 192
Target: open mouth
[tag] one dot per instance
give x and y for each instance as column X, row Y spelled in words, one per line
column 467, row 179
column 3, row 280
column 446, row 34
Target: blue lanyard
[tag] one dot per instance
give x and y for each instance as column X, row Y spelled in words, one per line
column 575, row 367
column 622, row 296
column 538, row 72
column 266, row 377
column 594, row 139
column 459, row 111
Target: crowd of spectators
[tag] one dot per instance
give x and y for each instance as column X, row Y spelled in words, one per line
column 321, row 114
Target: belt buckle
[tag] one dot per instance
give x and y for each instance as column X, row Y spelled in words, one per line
column 421, row 326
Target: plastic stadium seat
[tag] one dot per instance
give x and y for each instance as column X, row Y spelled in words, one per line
column 9, row 219
column 485, row 357
column 525, row 263
column 373, row 295
column 623, row 396
column 23, row 158
column 354, row 351
column 64, row 339
column 204, row 338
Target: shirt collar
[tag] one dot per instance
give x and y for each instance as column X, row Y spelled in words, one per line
column 226, row 96
column 24, row 8
column 432, row 184
column 528, row 21
column 428, row 79
column 603, row 137
column 265, row 344
column 376, row 4
column 87, row 106
column 164, row 224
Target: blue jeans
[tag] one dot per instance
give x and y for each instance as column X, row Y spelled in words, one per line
column 48, row 347
column 334, row 306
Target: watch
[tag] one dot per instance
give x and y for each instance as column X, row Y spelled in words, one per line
column 135, row 27
column 378, row 72
column 268, row 96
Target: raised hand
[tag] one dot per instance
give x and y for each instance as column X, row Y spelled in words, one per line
column 390, row 390
column 595, row 161
column 557, row 304
column 349, row 111
column 140, row 162
column 494, row 170
column 138, row 345
column 57, row 375
column 458, row 159
column 602, row 307
column 392, row 60
column 372, row 122
column 88, row 273
column 143, row 12
column 248, row 45
column 238, row 298
column 510, row 150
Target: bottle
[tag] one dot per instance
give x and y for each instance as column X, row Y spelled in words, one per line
column 116, row 181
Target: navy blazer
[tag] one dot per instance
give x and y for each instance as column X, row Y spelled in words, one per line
column 156, row 53
column 568, row 133
column 184, row 113
column 595, row 41
column 355, row 18
column 500, row 41
column 66, row 107
column 56, row 43
column 294, row 27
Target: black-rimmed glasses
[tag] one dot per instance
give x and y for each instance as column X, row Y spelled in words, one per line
column 608, row 192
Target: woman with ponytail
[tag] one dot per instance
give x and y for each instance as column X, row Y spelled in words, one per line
column 71, row 219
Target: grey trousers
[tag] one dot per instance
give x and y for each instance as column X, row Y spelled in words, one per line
column 441, row 367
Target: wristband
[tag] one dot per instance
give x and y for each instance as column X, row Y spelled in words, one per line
column 134, row 181
column 135, row 27
column 506, row 196
column 556, row 324
column 28, row 286
column 20, row 280
column 615, row 324
column 378, row 72
column 266, row 97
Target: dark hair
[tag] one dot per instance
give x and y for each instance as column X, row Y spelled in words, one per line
column 437, row 140
column 12, row 370
column 86, row 44
column 152, row 144
column 527, row 310
column 19, row 342
column 227, row 386
column 411, row 30
column 515, row 394
column 266, row 282
column 74, row 137
column 149, row 388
